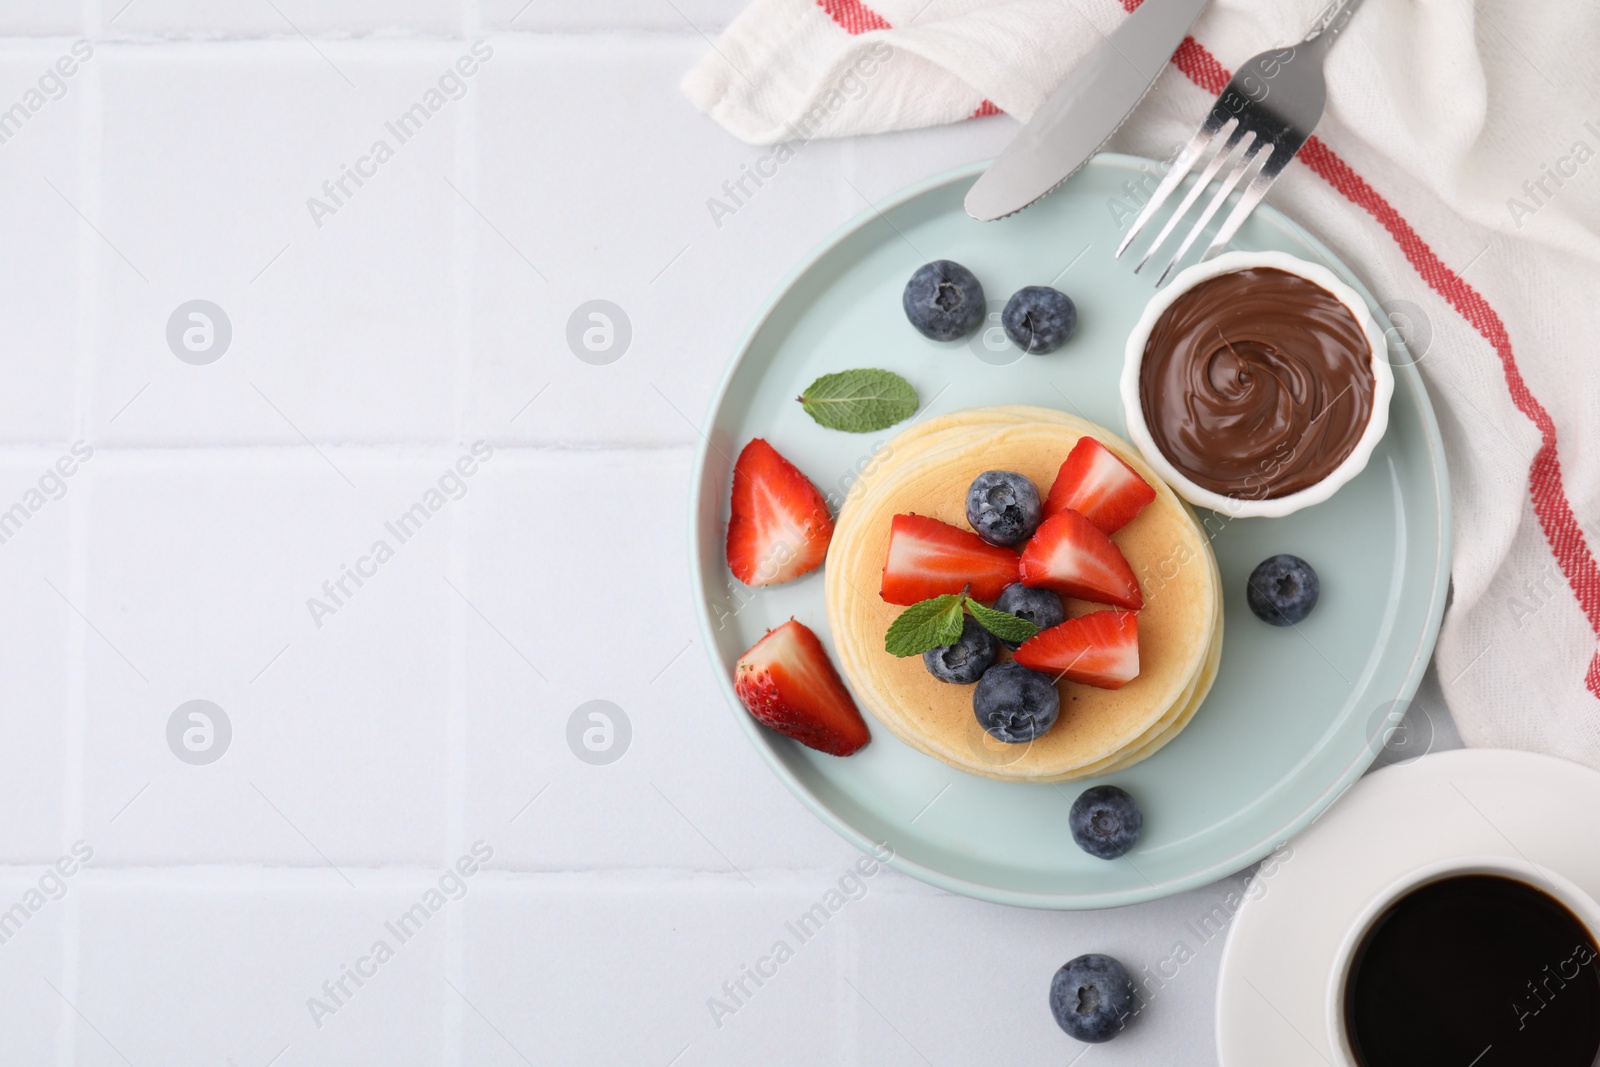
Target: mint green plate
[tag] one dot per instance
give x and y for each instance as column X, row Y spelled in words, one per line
column 1294, row 714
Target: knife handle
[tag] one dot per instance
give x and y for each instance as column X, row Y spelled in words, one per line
column 1331, row 21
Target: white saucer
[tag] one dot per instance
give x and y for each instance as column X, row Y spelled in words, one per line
column 1272, row 989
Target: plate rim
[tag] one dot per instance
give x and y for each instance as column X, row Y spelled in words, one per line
column 1058, row 901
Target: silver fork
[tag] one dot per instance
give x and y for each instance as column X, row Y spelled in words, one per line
column 1264, row 115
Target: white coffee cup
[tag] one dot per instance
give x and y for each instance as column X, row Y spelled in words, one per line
column 1543, row 879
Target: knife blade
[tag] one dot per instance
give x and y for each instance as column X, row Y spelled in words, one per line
column 1085, row 110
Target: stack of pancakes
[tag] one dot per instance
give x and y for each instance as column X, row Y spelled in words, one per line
column 926, row 471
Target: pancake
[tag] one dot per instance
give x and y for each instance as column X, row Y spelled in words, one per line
column 926, row 470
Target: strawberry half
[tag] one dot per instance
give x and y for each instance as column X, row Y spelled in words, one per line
column 1100, row 649
column 779, row 526
column 787, row 682
column 929, row 558
column 1096, row 483
column 1070, row 555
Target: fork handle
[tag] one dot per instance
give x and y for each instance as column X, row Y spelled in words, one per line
column 1331, row 21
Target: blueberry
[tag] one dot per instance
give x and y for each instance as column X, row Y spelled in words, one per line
column 1105, row 821
column 1039, row 606
column 943, row 300
column 1003, row 507
column 1039, row 319
column 1015, row 704
column 1282, row 590
column 965, row 661
column 1092, row 997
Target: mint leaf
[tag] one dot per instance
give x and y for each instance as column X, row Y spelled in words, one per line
column 859, row 401
column 1003, row 625
column 929, row 624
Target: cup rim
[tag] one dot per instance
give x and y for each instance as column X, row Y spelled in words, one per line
column 1575, row 899
column 1269, row 507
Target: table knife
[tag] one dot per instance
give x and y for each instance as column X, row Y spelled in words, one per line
column 1083, row 113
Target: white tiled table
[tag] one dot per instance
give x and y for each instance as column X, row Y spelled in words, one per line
column 373, row 746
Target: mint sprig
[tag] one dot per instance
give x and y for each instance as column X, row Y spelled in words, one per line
column 927, row 624
column 937, row 621
column 1002, row 624
column 859, row 401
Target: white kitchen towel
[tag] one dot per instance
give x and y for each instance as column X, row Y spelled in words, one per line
column 1456, row 170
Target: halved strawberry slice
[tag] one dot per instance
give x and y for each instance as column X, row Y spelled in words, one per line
column 1071, row 556
column 1096, row 483
column 779, row 527
column 929, row 558
column 1100, row 648
column 788, row 683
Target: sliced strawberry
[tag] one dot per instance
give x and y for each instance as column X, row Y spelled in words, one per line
column 1096, row 483
column 788, row 683
column 779, row 527
column 928, row 558
column 1071, row 556
column 1100, row 648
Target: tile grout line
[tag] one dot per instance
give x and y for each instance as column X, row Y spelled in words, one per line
column 275, row 877
column 90, row 143
column 453, row 1021
column 453, row 1018
column 845, row 965
column 398, row 451
column 97, row 34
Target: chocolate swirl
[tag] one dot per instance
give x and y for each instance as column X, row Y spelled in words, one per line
column 1256, row 384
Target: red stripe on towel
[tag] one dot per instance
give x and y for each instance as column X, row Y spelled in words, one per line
column 853, row 16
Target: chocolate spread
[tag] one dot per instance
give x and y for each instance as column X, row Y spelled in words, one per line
column 1256, row 384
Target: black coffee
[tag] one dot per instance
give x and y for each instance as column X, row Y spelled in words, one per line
column 1475, row 971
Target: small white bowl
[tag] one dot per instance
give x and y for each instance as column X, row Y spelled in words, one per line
column 1267, row 507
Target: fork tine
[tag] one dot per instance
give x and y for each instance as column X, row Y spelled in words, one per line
column 1247, row 203
column 1223, row 192
column 1203, row 137
column 1194, row 192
